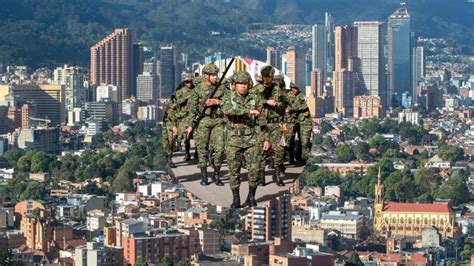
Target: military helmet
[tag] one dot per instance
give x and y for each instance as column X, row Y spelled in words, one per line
column 198, row 80
column 267, row 71
column 259, row 79
column 293, row 85
column 242, row 77
column 189, row 78
column 278, row 79
column 210, row 69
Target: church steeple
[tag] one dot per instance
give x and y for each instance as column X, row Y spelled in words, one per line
column 379, row 189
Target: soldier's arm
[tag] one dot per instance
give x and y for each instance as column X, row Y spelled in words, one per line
column 193, row 107
column 300, row 105
column 180, row 99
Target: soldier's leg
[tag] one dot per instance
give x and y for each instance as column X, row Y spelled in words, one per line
column 201, row 136
column 251, row 156
column 182, row 136
column 167, row 146
column 234, row 163
column 218, row 144
column 278, row 153
column 306, row 138
column 290, row 141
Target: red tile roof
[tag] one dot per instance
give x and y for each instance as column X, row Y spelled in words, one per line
column 415, row 207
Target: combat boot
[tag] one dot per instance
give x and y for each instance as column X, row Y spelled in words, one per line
column 216, row 177
column 204, row 176
column 276, row 177
column 235, row 199
column 250, row 201
column 170, row 162
column 262, row 179
column 187, row 146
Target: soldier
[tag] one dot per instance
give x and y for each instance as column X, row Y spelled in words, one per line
column 245, row 136
column 273, row 113
column 169, row 130
column 211, row 126
column 298, row 121
column 182, row 99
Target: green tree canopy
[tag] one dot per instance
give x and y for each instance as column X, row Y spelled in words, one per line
column 322, row 177
column 344, row 154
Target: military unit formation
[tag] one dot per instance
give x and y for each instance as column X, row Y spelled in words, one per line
column 251, row 125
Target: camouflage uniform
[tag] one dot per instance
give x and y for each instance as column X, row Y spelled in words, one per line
column 274, row 118
column 168, row 138
column 210, row 130
column 298, row 120
column 182, row 98
column 244, row 137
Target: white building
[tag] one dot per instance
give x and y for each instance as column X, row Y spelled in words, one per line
column 107, row 93
column 147, row 113
column 147, row 87
column 437, row 162
column 410, row 116
column 73, row 78
column 95, row 222
column 349, row 224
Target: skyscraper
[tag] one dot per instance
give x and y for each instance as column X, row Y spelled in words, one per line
column 398, row 55
column 72, row 78
column 329, row 25
column 167, row 71
column 319, row 48
column 291, row 64
column 272, row 56
column 370, row 46
column 418, row 69
column 343, row 76
column 111, row 61
column 147, row 87
column 138, row 60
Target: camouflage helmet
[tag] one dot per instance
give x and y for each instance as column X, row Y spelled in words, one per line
column 242, row 77
column 210, row 69
column 198, row 80
column 189, row 78
column 228, row 80
column 293, row 85
column 278, row 79
column 267, row 71
column 259, row 79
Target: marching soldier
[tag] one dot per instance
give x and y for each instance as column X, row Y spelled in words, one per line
column 298, row 121
column 211, row 126
column 273, row 114
column 182, row 99
column 245, row 137
column 169, row 130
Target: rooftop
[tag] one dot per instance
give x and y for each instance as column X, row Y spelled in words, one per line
column 416, row 207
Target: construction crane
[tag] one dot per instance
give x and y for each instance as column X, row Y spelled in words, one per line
column 46, row 121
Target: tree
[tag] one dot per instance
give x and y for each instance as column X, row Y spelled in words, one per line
column 380, row 143
column 344, row 154
column 451, row 153
column 40, row 162
column 167, row 261
column 456, row 189
column 322, row 177
column 317, row 139
column 123, row 181
column 141, row 263
column 328, row 143
column 326, row 127
column 361, row 151
column 369, row 127
column 184, row 262
column 354, row 260
column 4, row 163
column 466, row 252
column 12, row 156
column 24, row 163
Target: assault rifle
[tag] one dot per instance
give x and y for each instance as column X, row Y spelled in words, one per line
column 202, row 106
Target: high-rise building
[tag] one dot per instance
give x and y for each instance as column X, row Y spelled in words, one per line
column 370, row 53
column 112, row 62
column 150, row 66
column 27, row 111
column 167, row 71
column 147, row 87
column 107, row 93
column 418, row 69
column 72, row 77
column 272, row 56
column 319, row 47
column 49, row 100
column 291, row 64
column 154, row 248
column 367, row 106
column 269, row 220
column 329, row 25
column 398, row 55
column 345, row 40
column 343, row 83
column 137, row 60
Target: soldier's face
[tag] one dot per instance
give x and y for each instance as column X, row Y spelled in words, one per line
column 188, row 85
column 295, row 90
column 267, row 81
column 211, row 78
column 241, row 88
